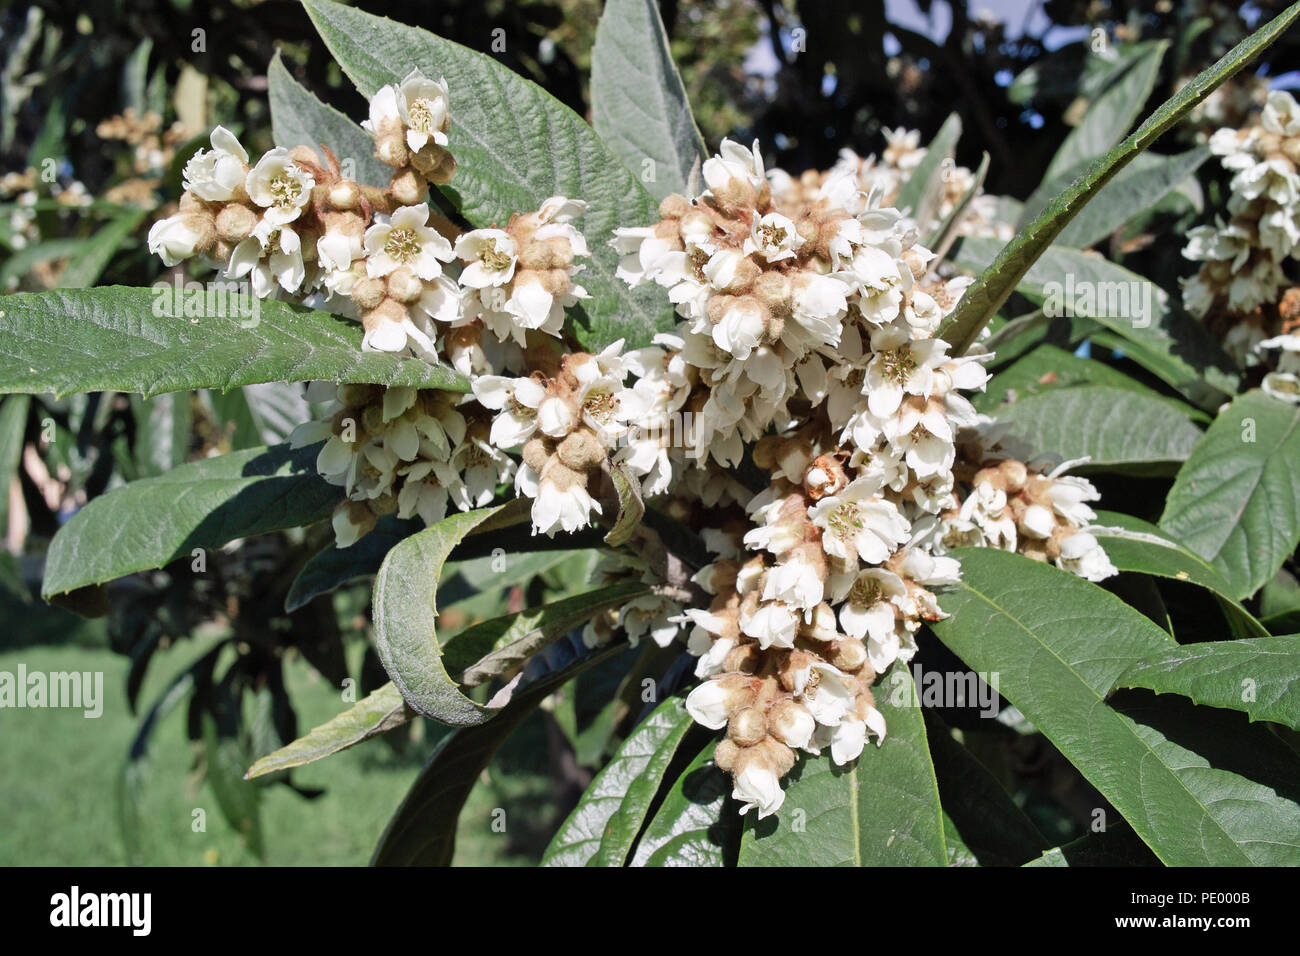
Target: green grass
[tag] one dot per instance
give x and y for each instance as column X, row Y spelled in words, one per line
column 59, row 801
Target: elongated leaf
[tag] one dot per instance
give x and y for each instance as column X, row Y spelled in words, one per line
column 423, row 830
column 380, row 712
column 92, row 258
column 203, row 504
column 238, row 800
column 1046, row 368
column 694, row 826
column 1111, row 426
column 67, row 341
column 1259, row 676
column 163, row 432
column 1236, row 502
column 638, row 104
column 994, row 830
column 405, row 611
column 603, row 826
column 881, row 810
column 1151, row 331
column 1136, row 545
column 1129, row 195
column 990, row 290
column 917, row 195
column 13, row 426
column 299, row 119
column 1114, row 110
column 1059, row 645
column 516, row 146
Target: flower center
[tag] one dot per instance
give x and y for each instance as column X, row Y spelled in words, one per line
column 845, row 521
column 420, row 116
column 898, row 364
column 865, row 593
column 772, row 235
column 402, row 244
column 600, row 405
column 493, row 258
column 286, row 189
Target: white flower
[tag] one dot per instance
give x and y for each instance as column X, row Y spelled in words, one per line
column 216, row 174
column 1081, row 554
column 174, row 239
column 567, row 508
column 423, row 106
column 759, row 787
column 271, row 256
column 280, row 186
column 734, row 162
column 772, row 625
column 871, row 604
column 711, row 703
column 517, row 400
column 858, row 523
column 825, row 691
column 404, row 240
column 773, row 237
column 795, row 582
column 491, row 255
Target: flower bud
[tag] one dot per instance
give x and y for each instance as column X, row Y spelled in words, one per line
column 791, row 723
column 747, row 726
column 408, row 189
column 713, row 702
column 236, row 222
column 581, row 450
column 404, row 285
column 367, row 293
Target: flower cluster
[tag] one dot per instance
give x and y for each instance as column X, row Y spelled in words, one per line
column 802, row 419
column 1239, row 287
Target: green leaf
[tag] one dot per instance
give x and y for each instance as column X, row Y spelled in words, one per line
column 380, row 712
column 695, row 825
column 1113, row 111
column 991, row 826
column 423, row 830
column 239, row 801
column 1236, row 502
column 66, row 341
column 89, row 262
column 405, row 612
column 917, row 196
column 1046, row 368
column 13, row 426
column 1114, row 427
column 638, row 103
column 163, row 431
column 1117, row 845
column 1165, row 341
column 516, row 146
column 881, row 810
column 1129, row 195
column 1136, row 545
column 1259, row 676
column 986, row 295
column 603, row 826
column 299, row 119
column 204, row 504
column 1059, row 645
